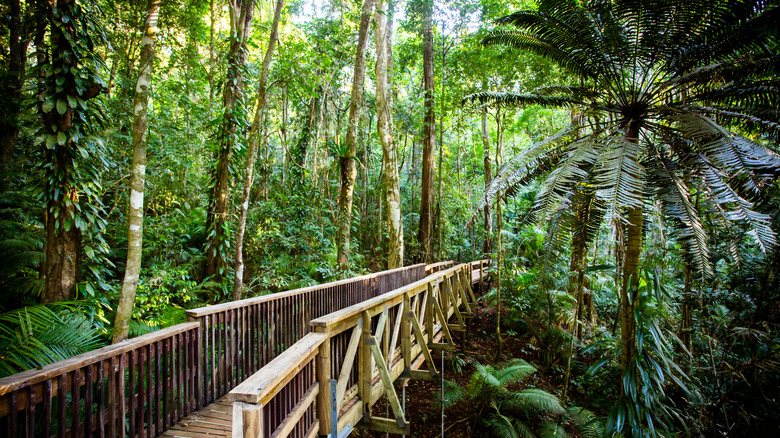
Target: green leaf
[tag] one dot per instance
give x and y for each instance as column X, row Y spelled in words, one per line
column 51, row 139
column 48, row 105
column 62, row 106
column 62, row 138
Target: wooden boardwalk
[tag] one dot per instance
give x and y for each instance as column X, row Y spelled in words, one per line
column 215, row 420
column 259, row 367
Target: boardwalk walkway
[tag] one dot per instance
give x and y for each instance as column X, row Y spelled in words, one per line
column 294, row 364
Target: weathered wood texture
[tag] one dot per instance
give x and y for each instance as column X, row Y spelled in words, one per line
column 364, row 347
column 137, row 388
column 240, row 337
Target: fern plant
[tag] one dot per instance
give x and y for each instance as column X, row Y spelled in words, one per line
column 35, row 336
column 500, row 409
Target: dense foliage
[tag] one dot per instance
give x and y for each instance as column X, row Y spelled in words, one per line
column 617, row 160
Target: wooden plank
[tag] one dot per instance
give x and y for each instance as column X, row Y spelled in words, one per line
column 384, row 299
column 421, row 341
column 365, row 371
column 297, row 412
column 384, row 374
column 349, row 360
column 387, row 425
column 396, row 332
column 264, row 384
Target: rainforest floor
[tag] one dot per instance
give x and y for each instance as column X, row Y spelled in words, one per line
column 423, row 405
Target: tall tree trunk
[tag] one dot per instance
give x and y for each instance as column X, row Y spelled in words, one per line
column 395, row 257
column 487, row 246
column 425, row 232
column 347, row 163
column 211, row 55
column 63, row 232
column 499, row 261
column 11, row 87
column 629, row 289
column 217, row 247
column 138, row 175
column 254, row 139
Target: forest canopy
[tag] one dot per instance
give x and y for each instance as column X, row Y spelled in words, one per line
column 616, row 160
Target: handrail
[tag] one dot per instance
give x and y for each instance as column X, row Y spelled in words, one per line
column 31, row 377
column 208, row 310
column 138, row 387
column 269, row 380
column 336, row 317
column 437, row 266
column 143, row 386
column 356, row 352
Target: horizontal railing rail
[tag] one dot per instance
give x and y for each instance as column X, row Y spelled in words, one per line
column 241, row 337
column 139, row 387
column 279, row 399
column 434, row 267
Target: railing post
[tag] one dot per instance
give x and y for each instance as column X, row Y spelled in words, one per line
column 199, row 361
column 247, row 420
column 323, row 378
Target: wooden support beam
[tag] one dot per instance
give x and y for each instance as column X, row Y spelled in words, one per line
column 418, row 333
column 323, row 379
column 387, row 425
column 247, row 420
column 365, row 371
column 387, row 380
column 346, row 366
column 453, row 301
column 396, row 332
column 444, row 326
column 406, row 334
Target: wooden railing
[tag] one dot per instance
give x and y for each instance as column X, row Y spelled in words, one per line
column 139, row 388
column 357, row 352
column 240, row 337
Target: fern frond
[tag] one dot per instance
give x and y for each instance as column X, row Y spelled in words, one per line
column 619, row 176
column 538, row 400
column 516, row 99
column 676, row 203
column 738, row 156
column 723, row 195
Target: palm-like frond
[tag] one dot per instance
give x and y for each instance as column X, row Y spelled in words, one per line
column 738, row 156
column 34, row 336
column 619, row 181
column 562, row 181
column 534, row 160
column 741, row 209
column 516, row 99
column 676, row 203
column 586, row 422
column 536, row 399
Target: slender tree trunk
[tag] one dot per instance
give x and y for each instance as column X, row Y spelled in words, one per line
column 347, row 163
column 395, row 258
column 487, row 246
column 138, row 175
column 211, row 55
column 217, row 247
column 425, row 232
column 255, row 136
column 11, row 83
column 499, row 261
column 629, row 289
